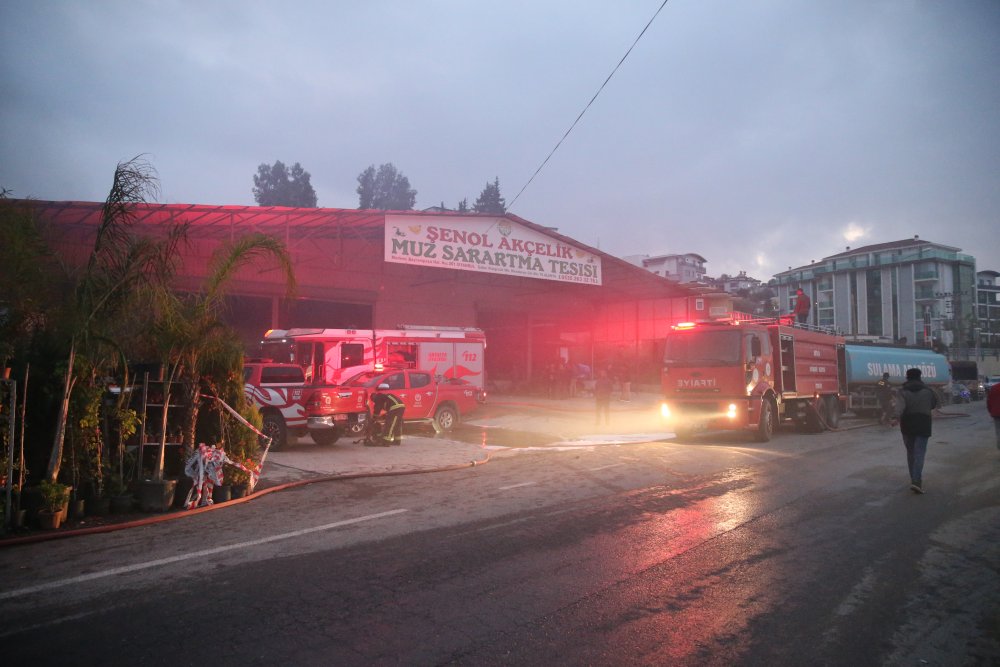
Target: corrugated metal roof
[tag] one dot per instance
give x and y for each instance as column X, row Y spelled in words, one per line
column 621, row 278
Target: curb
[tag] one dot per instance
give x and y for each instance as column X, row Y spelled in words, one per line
column 173, row 516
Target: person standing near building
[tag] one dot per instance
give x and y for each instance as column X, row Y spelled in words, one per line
column 802, row 305
column 884, row 393
column 917, row 403
column 602, row 397
column 993, row 405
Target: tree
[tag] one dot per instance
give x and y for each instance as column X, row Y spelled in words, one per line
column 385, row 189
column 275, row 185
column 119, row 267
column 463, row 206
column 191, row 335
column 27, row 272
column 490, row 200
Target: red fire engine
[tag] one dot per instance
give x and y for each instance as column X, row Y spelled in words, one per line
column 330, row 356
column 751, row 374
column 296, row 362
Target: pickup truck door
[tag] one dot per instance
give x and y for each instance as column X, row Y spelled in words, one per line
column 399, row 386
column 421, row 395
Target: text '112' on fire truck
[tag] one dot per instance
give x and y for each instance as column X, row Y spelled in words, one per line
column 294, row 363
column 753, row 374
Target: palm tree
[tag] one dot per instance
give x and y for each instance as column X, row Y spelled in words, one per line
column 191, row 334
column 118, row 267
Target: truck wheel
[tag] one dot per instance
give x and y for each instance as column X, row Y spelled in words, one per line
column 326, row 437
column 446, row 418
column 274, row 428
column 832, row 412
column 765, row 429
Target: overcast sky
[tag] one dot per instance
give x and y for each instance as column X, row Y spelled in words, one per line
column 760, row 134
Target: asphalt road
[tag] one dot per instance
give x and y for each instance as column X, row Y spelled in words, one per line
column 809, row 550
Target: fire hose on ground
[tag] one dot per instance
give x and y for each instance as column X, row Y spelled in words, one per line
column 818, row 414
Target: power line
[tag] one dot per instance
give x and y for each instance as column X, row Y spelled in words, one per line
column 559, row 143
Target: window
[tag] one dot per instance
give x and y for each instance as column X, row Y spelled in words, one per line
column 281, row 375
column 395, row 381
column 699, row 304
column 352, row 354
column 418, row 380
column 701, row 347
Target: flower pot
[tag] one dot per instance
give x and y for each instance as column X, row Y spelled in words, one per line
column 222, row 493
column 64, row 510
column 156, row 495
column 184, row 485
column 77, row 508
column 121, row 504
column 20, row 519
column 49, row 520
column 238, row 491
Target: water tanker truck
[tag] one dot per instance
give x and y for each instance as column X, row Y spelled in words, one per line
column 866, row 364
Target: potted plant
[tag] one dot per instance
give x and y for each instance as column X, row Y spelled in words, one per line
column 121, row 498
column 239, row 480
column 55, row 499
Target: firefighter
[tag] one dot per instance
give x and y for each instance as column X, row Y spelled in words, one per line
column 802, row 305
column 392, row 406
column 886, row 400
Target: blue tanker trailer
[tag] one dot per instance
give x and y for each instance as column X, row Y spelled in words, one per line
column 866, row 363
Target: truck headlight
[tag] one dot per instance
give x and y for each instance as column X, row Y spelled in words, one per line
column 665, row 410
column 731, row 411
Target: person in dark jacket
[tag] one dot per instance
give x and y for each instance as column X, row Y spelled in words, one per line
column 393, row 407
column 884, row 392
column 917, row 402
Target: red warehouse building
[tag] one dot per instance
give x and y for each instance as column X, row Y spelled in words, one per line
column 539, row 295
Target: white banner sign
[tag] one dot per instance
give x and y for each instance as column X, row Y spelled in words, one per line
column 490, row 245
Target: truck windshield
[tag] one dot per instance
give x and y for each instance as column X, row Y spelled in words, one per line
column 718, row 348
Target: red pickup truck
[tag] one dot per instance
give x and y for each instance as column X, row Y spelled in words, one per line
column 279, row 391
column 333, row 411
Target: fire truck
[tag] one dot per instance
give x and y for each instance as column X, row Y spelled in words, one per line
column 330, row 357
column 750, row 375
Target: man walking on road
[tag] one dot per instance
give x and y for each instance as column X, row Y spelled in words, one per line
column 918, row 401
column 993, row 405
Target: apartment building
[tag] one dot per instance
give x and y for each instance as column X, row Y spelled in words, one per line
column 909, row 291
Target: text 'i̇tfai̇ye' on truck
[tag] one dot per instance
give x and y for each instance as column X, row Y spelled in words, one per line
column 750, row 375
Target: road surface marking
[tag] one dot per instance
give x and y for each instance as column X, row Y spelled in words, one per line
column 188, row 556
column 514, row 486
column 613, row 465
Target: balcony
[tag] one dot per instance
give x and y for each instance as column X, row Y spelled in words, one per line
column 925, row 275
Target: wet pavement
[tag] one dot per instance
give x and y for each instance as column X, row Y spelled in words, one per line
column 504, row 426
